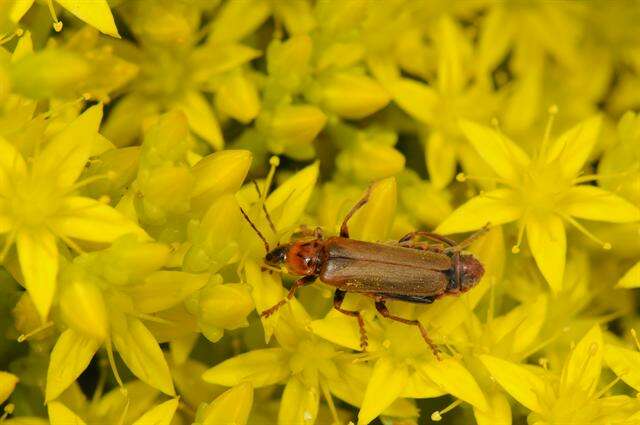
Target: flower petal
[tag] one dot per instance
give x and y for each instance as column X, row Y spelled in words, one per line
column 163, row 289
column 59, row 414
column 66, row 155
column 90, row 220
column 373, row 221
column 505, row 157
column 625, row 363
column 260, row 367
column 95, row 13
column 499, row 411
column 548, row 244
column 581, row 372
column 8, row 382
column 495, row 207
column 631, row 278
column 38, row 256
column 162, row 414
column 11, row 162
column 415, row 98
column 593, row 203
column 387, row 382
column 441, row 159
column 299, row 404
column 202, row 119
column 520, row 382
column 571, row 150
column 69, row 358
column 455, row 379
column 141, row 353
column 233, row 406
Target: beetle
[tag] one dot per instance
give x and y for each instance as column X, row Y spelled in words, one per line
column 406, row 270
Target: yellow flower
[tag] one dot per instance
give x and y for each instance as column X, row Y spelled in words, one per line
column 38, row 205
column 567, row 397
column 541, row 193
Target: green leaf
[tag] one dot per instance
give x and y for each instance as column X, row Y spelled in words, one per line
column 141, row 353
column 70, row 357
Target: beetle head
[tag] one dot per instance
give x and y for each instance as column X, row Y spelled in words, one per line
column 277, row 256
column 471, row 273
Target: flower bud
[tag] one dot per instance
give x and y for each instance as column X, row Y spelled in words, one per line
column 294, row 126
column 83, row 308
column 224, row 306
column 353, row 96
column 238, row 97
column 370, row 161
column 218, row 173
column 48, row 73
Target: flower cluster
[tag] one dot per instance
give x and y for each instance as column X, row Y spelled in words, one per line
column 150, row 151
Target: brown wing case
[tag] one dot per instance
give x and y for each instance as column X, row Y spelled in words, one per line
column 337, row 247
column 357, row 266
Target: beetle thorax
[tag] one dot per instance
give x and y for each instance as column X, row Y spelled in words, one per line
column 305, row 258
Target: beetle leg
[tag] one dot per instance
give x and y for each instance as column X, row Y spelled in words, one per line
column 303, row 281
column 344, row 230
column 304, row 231
column 338, row 297
column 428, row 235
column 382, row 309
column 471, row 239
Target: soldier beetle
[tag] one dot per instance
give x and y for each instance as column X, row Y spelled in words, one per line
column 407, row 270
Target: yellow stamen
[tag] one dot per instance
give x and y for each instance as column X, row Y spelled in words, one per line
column 102, row 380
column 155, row 319
column 327, row 396
column 521, row 226
column 274, row 162
column 437, row 415
column 462, row 177
column 635, row 338
column 607, row 387
column 8, row 242
column 114, row 368
column 553, row 110
column 8, row 410
column 39, row 329
column 605, row 245
column 125, row 410
column 593, row 177
column 57, row 24
column 71, row 244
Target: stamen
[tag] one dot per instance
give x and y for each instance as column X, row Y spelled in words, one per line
column 102, row 380
column 88, row 181
column 462, row 177
column 605, row 245
column 521, row 226
column 125, row 411
column 635, row 338
column 39, row 329
column 151, row 318
column 274, row 162
column 8, row 410
column 112, row 363
column 71, row 244
column 594, row 177
column 608, row 387
column 553, row 110
column 57, row 24
column 437, row 415
column 8, row 242
column 327, row 396
column 7, row 38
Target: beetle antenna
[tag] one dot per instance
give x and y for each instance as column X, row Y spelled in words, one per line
column 253, row 226
column 264, row 208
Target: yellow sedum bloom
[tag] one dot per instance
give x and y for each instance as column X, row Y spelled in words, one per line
column 540, row 193
column 39, row 205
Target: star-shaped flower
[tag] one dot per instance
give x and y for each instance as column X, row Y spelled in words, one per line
column 540, row 193
column 39, row 205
